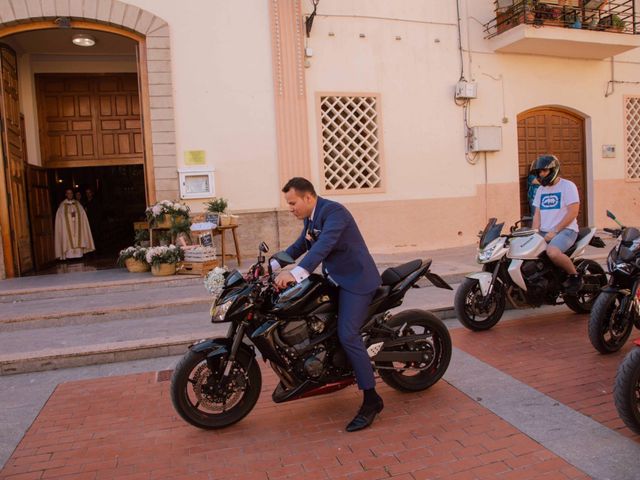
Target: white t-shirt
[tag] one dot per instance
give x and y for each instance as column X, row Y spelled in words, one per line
column 553, row 201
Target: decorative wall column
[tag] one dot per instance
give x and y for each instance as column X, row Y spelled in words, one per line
column 287, row 39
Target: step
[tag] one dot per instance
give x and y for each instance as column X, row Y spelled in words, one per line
column 111, row 341
column 88, row 309
column 86, row 283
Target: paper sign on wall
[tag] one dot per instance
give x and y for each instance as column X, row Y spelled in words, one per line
column 195, row 157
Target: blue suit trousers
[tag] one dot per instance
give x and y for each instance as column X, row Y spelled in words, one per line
column 352, row 312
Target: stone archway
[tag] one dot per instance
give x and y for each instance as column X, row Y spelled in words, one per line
column 154, row 67
column 155, row 57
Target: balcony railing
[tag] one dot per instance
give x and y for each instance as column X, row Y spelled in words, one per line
column 617, row 16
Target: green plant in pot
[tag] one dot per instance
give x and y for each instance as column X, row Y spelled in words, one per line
column 215, row 208
column 617, row 24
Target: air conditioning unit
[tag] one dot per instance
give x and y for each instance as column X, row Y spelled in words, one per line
column 485, row 139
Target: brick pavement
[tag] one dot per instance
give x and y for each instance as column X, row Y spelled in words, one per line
column 125, row 428
column 552, row 354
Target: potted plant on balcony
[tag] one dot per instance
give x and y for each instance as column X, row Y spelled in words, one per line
column 163, row 260
column 617, row 24
column 133, row 258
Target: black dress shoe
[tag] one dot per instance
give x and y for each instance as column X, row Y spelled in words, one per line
column 365, row 417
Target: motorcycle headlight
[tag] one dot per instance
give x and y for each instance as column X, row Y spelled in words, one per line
column 218, row 312
column 485, row 255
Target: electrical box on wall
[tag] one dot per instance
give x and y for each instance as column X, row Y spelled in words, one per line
column 466, row 90
column 485, row 139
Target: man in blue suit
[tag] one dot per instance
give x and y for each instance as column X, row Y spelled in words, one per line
column 330, row 236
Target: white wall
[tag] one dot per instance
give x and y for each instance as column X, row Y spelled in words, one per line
column 223, row 93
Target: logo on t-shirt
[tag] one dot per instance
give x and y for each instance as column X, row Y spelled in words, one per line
column 550, row 201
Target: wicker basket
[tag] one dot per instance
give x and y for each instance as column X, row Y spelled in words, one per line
column 163, row 269
column 136, row 266
column 225, row 220
column 165, row 223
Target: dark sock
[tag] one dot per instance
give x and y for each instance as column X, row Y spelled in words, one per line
column 371, row 397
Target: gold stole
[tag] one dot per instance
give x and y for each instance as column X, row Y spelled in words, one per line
column 66, row 221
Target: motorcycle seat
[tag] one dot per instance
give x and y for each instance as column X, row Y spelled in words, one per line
column 583, row 232
column 394, row 275
column 382, row 291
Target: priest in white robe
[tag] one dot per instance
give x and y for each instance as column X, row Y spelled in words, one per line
column 72, row 234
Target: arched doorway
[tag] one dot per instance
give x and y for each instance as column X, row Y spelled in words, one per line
column 151, row 35
column 560, row 132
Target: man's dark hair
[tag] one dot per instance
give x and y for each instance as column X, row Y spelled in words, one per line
column 300, row 185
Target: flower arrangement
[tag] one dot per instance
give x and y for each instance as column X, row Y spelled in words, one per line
column 137, row 253
column 158, row 255
column 156, row 213
column 214, row 281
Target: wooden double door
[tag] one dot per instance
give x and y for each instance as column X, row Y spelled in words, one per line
column 558, row 132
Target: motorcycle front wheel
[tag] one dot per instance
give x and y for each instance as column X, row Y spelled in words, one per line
column 201, row 400
column 474, row 310
column 608, row 330
column 626, row 391
column 432, row 337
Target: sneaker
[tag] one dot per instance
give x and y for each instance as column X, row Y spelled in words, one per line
column 573, row 284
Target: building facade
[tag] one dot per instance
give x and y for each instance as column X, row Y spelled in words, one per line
column 360, row 97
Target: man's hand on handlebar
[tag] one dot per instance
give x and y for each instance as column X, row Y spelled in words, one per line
column 284, row 279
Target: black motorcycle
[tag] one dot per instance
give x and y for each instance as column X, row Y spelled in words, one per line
column 617, row 308
column 626, row 390
column 218, row 381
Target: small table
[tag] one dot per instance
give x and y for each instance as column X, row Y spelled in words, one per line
column 220, row 230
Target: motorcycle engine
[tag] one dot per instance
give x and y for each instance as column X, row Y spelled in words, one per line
column 535, row 276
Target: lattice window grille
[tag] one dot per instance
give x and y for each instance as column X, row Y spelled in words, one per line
column 632, row 133
column 350, row 143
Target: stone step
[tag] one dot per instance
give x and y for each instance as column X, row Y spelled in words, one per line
column 86, row 283
column 106, row 342
column 88, row 309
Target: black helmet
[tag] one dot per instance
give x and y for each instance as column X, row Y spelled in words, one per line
column 549, row 162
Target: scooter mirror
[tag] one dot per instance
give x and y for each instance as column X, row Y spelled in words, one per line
column 264, row 248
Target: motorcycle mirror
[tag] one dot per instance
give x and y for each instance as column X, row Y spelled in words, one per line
column 284, row 259
column 611, row 215
column 263, row 247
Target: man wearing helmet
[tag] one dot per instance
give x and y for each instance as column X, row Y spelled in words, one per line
column 556, row 209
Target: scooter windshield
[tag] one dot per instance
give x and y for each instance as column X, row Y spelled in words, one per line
column 490, row 232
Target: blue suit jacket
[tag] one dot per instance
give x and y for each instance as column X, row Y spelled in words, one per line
column 338, row 244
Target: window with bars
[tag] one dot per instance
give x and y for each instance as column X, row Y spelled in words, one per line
column 351, row 152
column 632, row 137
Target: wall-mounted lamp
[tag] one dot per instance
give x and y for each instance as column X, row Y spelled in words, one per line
column 83, row 40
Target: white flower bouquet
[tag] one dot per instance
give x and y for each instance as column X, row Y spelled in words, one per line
column 156, row 213
column 158, row 255
column 214, row 281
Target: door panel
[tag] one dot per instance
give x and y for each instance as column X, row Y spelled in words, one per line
column 14, row 158
column 561, row 133
column 89, row 120
column 41, row 216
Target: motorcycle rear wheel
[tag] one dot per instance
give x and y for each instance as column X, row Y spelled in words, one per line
column 437, row 347
column 470, row 308
column 626, row 391
column 593, row 275
column 605, row 333
column 196, row 405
